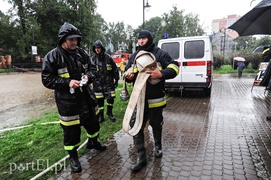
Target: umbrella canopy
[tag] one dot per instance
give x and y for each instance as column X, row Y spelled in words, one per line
column 256, row 21
column 239, row 58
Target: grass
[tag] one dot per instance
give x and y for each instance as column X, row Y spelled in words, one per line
column 6, row 70
column 25, row 152
column 227, row 69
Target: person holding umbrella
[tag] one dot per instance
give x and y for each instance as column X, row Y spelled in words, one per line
column 240, row 68
column 240, row 65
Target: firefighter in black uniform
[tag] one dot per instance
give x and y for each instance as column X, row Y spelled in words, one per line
column 266, row 81
column 155, row 99
column 107, row 77
column 67, row 70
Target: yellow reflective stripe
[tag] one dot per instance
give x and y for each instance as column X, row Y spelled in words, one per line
column 135, row 70
column 63, row 72
column 159, row 66
column 69, row 148
column 99, row 95
column 97, row 111
column 265, row 50
column 174, row 67
column 93, row 135
column 108, row 66
column 69, row 123
column 157, row 102
column 113, row 94
column 66, row 75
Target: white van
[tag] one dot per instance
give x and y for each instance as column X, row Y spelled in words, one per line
column 195, row 57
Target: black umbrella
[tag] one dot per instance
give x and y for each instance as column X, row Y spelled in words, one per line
column 256, row 21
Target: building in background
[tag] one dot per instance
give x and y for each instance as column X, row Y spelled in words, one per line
column 222, row 38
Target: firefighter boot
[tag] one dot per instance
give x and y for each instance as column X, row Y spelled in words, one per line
column 94, row 144
column 74, row 161
column 141, row 160
column 101, row 116
column 157, row 135
column 109, row 113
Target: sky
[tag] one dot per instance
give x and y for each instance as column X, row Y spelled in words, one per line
column 131, row 11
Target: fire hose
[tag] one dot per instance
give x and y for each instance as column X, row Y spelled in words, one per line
column 144, row 61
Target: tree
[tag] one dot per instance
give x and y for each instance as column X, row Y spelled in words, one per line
column 37, row 22
column 117, row 34
column 179, row 25
column 174, row 23
column 264, row 40
column 8, row 32
column 245, row 43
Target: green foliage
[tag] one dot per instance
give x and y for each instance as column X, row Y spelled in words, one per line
column 37, row 24
column 6, row 70
column 227, row 69
column 224, row 69
column 218, row 61
column 252, row 59
column 175, row 24
column 264, row 40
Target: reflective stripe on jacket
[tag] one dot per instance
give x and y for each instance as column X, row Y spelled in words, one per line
column 155, row 94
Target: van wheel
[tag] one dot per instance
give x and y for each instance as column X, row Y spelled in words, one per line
column 207, row 91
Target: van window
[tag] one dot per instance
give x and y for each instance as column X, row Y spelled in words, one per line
column 172, row 48
column 194, row 49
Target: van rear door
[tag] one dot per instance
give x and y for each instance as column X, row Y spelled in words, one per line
column 193, row 65
column 173, row 47
column 195, row 58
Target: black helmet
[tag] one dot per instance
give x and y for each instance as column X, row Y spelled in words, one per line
column 98, row 43
column 68, row 30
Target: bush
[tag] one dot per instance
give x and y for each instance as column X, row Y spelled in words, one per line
column 218, row 61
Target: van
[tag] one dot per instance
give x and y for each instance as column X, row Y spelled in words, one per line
column 195, row 58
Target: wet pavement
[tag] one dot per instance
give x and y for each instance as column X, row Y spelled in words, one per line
column 224, row 136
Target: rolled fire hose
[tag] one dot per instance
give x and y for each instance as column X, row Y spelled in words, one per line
column 144, row 61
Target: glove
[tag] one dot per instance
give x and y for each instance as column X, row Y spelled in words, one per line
column 116, row 84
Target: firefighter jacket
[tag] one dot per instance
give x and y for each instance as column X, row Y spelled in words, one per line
column 106, row 75
column 58, row 69
column 266, row 54
column 155, row 94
